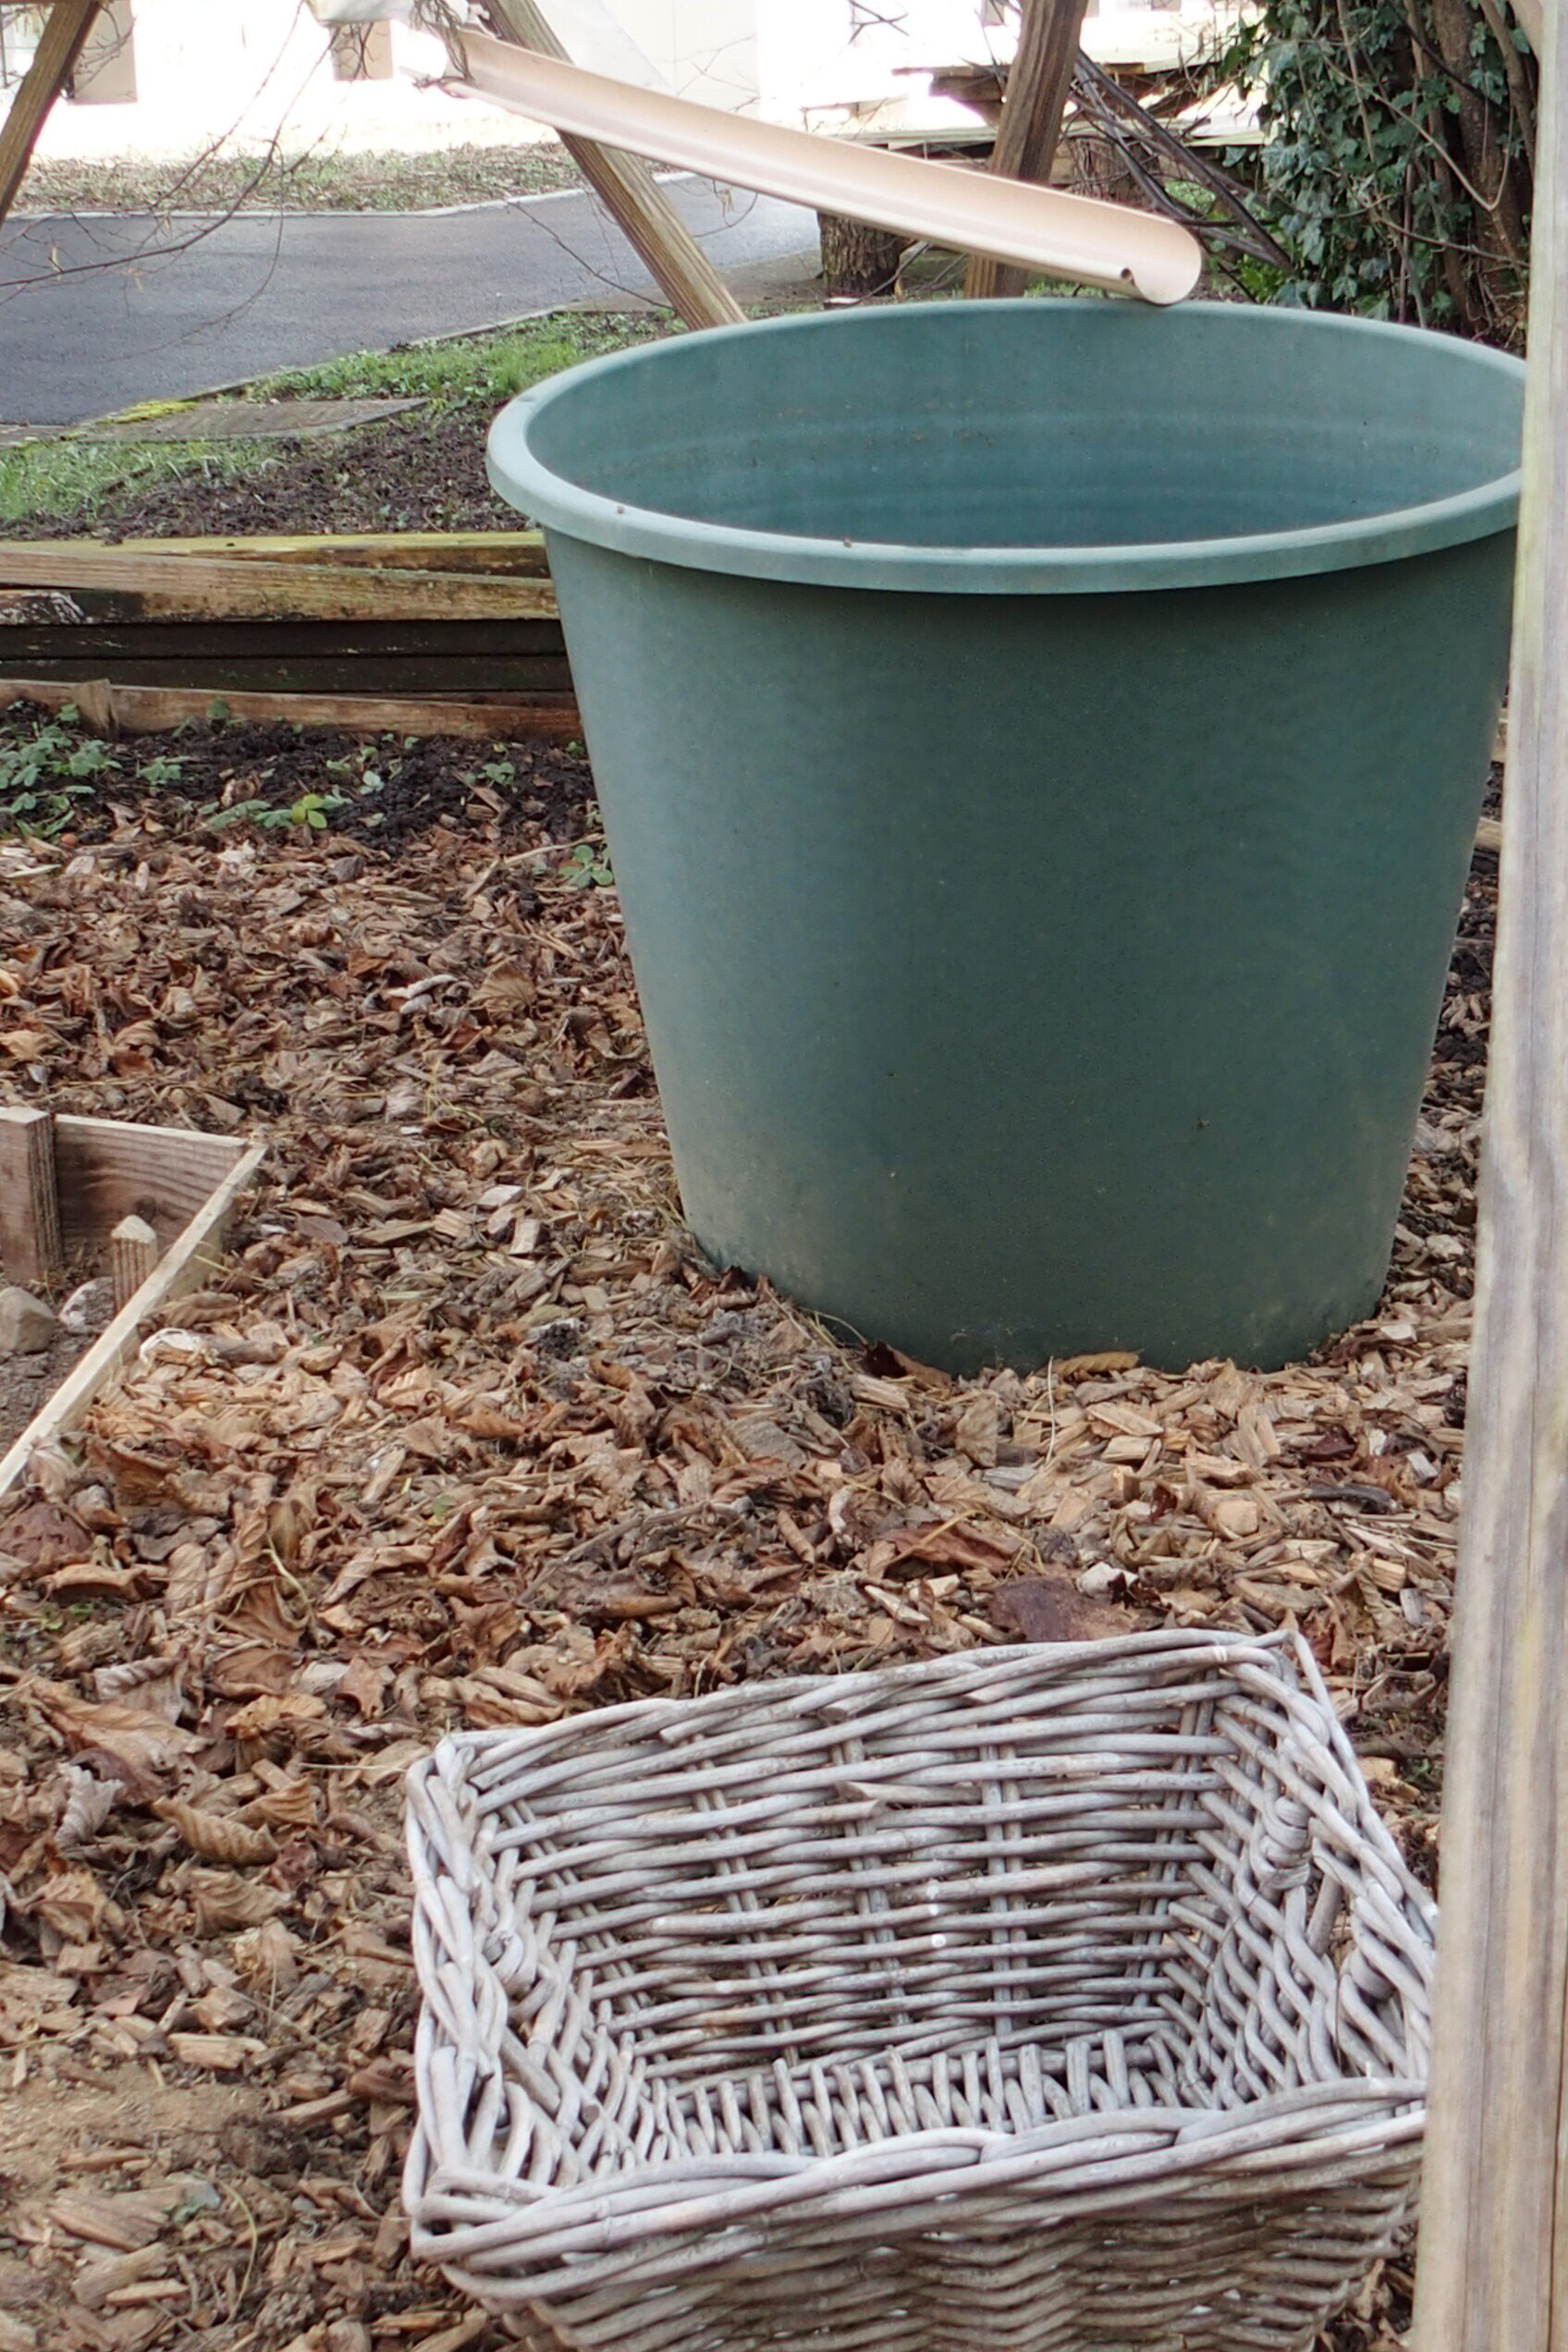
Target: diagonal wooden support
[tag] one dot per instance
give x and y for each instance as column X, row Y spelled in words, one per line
column 626, row 185
column 1493, row 2269
column 60, row 44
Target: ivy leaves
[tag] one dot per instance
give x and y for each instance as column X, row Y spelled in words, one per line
column 1397, row 167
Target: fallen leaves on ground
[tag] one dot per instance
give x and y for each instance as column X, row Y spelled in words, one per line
column 467, row 1434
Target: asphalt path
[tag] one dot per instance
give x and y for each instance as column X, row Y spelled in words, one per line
column 100, row 311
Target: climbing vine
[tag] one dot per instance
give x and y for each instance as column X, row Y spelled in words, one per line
column 1397, row 168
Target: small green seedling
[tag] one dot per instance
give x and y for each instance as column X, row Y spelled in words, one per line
column 43, row 777
column 588, row 867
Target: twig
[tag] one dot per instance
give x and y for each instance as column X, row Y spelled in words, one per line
column 1091, row 82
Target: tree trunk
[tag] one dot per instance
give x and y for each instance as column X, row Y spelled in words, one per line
column 857, row 260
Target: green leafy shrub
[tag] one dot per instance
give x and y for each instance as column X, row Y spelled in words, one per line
column 1398, row 169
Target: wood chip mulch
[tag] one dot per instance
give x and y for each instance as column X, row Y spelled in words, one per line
column 468, row 1433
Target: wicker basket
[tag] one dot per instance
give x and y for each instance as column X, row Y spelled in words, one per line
column 1065, row 2000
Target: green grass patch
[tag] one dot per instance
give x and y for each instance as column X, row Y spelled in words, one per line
column 477, row 370
column 78, row 482
column 80, row 479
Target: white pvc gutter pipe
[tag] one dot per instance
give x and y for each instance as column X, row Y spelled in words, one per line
column 1041, row 228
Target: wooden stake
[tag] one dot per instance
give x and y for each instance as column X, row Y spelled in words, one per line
column 1035, row 99
column 626, row 185
column 29, row 1200
column 65, row 27
column 133, row 1252
column 1493, row 2269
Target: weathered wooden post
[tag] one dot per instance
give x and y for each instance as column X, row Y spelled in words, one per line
column 1035, row 99
column 1493, row 2269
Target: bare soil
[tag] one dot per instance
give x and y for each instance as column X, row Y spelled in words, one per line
column 27, row 1382
column 409, row 473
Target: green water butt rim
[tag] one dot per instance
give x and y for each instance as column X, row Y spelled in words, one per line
column 560, row 504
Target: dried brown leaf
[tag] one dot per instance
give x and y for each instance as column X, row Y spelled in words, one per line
column 216, row 1837
column 225, row 1902
column 140, row 1736
column 45, row 1535
column 89, row 1803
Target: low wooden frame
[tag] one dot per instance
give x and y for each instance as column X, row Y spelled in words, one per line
column 417, row 614
column 108, row 709
column 69, row 1183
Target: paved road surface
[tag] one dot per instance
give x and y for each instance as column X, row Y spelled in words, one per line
column 263, row 291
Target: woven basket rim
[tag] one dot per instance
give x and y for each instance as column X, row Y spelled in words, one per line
column 512, row 2240
column 688, row 1717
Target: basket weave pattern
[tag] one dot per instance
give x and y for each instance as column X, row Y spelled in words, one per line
column 1064, row 2000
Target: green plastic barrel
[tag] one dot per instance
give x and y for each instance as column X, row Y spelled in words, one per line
column 1040, row 745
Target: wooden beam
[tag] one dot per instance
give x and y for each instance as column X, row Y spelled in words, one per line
column 30, row 1201
column 1492, row 2274
column 197, row 587
column 495, row 554
column 626, row 185
column 152, row 710
column 233, row 658
column 1030, row 130
column 60, row 43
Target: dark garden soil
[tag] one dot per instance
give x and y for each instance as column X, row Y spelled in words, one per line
column 467, row 1432
column 409, row 473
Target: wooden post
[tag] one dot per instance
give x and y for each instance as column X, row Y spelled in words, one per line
column 30, row 1199
column 1493, row 2269
column 133, row 1252
column 1038, row 82
column 60, row 43
column 626, row 185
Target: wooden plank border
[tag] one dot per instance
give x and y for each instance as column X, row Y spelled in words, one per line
column 188, row 1265
column 498, row 554
column 156, row 585
column 112, row 709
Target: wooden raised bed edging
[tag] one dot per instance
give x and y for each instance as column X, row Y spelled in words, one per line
column 68, row 1184
column 108, row 709
column 413, row 615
